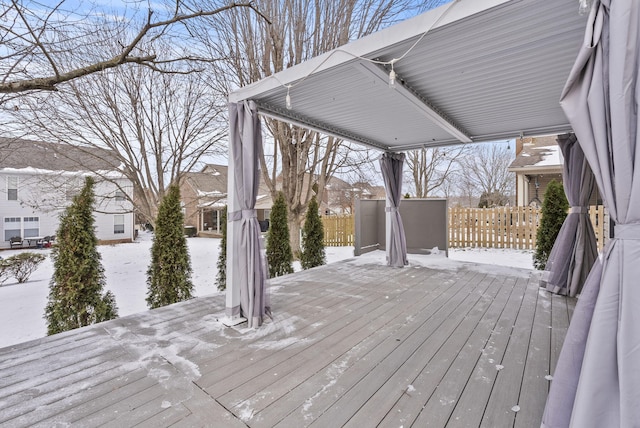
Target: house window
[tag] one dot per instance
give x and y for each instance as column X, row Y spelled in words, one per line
column 11, row 227
column 31, row 226
column 120, row 195
column 12, row 188
column 118, row 223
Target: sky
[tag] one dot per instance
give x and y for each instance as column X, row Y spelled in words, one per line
column 22, row 305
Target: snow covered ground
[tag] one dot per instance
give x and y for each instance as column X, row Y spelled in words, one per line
column 22, row 305
column 494, row 256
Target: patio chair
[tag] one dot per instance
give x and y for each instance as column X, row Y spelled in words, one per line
column 15, row 241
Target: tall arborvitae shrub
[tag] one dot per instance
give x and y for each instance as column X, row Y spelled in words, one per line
column 279, row 255
column 169, row 274
column 76, row 296
column 312, row 238
column 221, row 277
column 554, row 211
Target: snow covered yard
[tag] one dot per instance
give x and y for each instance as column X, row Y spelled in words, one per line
column 22, row 305
column 494, row 256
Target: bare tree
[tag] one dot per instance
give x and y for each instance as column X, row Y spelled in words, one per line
column 298, row 30
column 432, row 168
column 344, row 189
column 486, row 171
column 450, row 185
column 42, row 46
column 155, row 125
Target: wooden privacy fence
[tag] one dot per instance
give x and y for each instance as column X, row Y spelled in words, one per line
column 500, row 227
column 600, row 222
column 339, row 230
column 505, row 227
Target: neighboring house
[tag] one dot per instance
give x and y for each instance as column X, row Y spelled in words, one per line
column 38, row 180
column 538, row 161
column 204, row 196
column 341, row 196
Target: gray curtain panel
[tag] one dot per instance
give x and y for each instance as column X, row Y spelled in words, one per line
column 557, row 412
column 575, row 249
column 391, row 165
column 245, row 138
column 601, row 101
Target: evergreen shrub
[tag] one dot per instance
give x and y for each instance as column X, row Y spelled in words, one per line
column 554, row 211
column 279, row 254
column 313, row 253
column 76, row 296
column 221, row 277
column 169, row 274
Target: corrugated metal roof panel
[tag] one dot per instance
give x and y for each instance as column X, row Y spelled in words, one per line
column 493, row 74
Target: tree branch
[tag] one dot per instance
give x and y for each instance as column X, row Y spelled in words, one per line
column 49, row 83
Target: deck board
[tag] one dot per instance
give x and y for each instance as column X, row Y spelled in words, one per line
column 470, row 406
column 307, row 395
column 561, row 313
column 361, row 379
column 535, row 385
column 433, row 398
column 353, row 344
column 434, row 352
column 354, row 329
column 434, row 355
column 340, row 312
column 506, row 392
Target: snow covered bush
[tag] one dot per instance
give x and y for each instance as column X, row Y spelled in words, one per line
column 75, row 291
column 169, row 274
column 279, row 254
column 20, row 266
column 4, row 271
column 312, row 238
column 554, row 211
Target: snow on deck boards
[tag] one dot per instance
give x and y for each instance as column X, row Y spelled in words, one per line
column 443, row 344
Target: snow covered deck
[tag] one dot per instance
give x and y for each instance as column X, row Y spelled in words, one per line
column 354, row 343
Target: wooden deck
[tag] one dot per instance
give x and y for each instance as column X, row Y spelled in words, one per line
column 351, row 344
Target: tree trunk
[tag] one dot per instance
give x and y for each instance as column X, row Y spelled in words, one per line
column 294, row 235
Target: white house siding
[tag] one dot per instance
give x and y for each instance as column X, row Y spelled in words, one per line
column 44, row 194
column 109, row 206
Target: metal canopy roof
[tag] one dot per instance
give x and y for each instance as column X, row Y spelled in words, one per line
column 485, row 70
